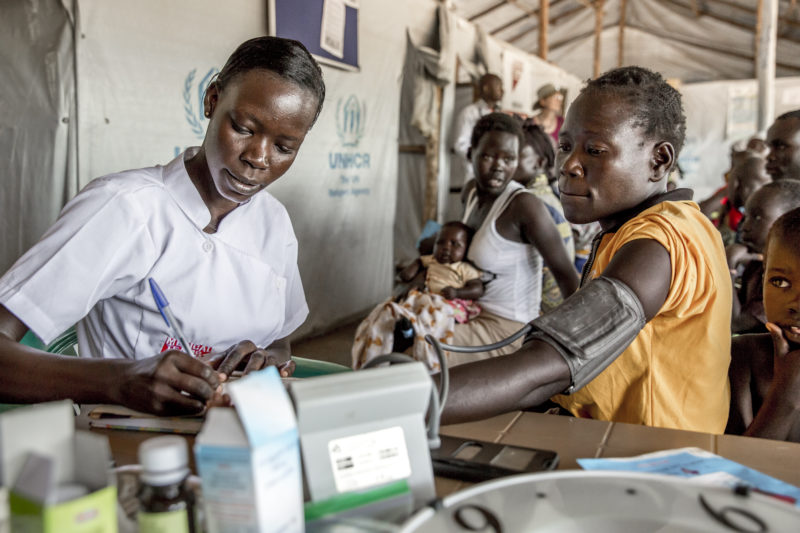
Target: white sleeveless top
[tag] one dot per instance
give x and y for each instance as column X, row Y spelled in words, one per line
column 516, row 292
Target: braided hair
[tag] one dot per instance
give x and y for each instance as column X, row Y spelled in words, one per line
column 656, row 105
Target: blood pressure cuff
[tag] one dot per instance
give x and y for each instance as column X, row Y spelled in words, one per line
column 592, row 327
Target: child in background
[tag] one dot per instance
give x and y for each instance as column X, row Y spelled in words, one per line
column 450, row 286
column 535, row 171
column 722, row 207
column 765, row 368
column 762, row 209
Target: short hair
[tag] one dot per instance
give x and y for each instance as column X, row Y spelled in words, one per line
column 656, row 104
column 496, row 122
column 459, row 225
column 787, row 229
column 542, row 144
column 486, row 78
column 787, row 191
column 789, row 114
column 287, row 58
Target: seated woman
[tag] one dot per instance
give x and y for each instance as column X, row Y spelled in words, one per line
column 446, row 297
column 646, row 340
column 221, row 247
column 515, row 235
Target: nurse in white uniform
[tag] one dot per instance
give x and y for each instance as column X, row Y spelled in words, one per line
column 222, row 249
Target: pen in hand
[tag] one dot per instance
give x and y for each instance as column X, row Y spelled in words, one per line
column 169, row 318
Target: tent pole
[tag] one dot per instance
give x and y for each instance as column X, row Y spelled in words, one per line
column 623, row 7
column 598, row 30
column 544, row 19
column 766, row 38
column 430, row 208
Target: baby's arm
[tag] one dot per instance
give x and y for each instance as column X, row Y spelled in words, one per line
column 472, row 290
column 780, row 410
column 410, row 271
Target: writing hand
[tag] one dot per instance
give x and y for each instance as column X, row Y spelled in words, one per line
column 170, row 383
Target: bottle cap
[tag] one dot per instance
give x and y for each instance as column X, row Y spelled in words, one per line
column 164, row 460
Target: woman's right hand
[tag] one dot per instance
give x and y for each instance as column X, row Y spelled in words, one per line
column 171, row 383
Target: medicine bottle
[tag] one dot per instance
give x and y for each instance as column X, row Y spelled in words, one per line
column 166, row 504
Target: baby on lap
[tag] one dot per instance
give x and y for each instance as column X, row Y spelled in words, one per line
column 450, row 286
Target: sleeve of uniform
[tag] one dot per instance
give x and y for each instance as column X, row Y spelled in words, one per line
column 99, row 245
column 296, row 307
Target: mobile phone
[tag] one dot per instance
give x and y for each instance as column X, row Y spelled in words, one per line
column 476, row 460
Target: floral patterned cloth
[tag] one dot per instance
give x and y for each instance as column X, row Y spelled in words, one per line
column 429, row 313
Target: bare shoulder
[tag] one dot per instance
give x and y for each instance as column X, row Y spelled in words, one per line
column 526, row 205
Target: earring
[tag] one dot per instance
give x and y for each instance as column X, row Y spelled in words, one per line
column 207, row 114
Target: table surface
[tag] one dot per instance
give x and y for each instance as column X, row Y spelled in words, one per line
column 576, row 438
column 572, row 438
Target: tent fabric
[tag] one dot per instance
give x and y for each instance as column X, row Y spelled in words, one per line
column 38, row 121
column 718, row 35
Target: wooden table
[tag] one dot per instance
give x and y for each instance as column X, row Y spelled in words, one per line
column 572, row 438
column 575, row 438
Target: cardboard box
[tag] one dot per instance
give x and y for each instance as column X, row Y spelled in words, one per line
column 59, row 478
column 248, row 458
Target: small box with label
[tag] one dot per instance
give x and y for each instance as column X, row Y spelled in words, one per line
column 248, row 458
column 364, row 441
column 59, row 478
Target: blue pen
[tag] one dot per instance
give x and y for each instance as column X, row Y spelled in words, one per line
column 169, row 318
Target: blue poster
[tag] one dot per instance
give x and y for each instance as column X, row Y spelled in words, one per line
column 302, row 20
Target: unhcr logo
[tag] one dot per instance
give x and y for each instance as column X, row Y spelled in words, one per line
column 350, row 119
column 193, row 100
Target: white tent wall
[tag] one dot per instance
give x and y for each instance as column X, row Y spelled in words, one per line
column 411, row 173
column 711, row 109
column 37, row 120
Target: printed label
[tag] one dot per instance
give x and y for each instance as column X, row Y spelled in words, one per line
column 369, row 459
column 168, row 522
column 174, row 344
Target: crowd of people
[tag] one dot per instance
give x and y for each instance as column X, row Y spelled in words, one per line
column 680, row 314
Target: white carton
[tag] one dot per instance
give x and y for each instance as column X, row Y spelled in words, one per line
column 58, row 478
column 248, row 458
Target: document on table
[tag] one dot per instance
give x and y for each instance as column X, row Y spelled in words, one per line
column 118, row 417
column 702, row 466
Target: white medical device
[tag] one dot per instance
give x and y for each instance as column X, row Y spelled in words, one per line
column 363, row 430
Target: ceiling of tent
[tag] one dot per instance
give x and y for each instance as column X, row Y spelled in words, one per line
column 691, row 40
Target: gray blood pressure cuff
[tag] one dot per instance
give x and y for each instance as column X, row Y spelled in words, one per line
column 591, row 328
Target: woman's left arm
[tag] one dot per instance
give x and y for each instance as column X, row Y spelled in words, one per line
column 248, row 357
column 539, row 229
